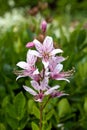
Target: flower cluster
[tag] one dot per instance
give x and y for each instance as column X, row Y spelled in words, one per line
column 52, row 67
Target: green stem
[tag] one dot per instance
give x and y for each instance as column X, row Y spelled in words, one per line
column 41, row 111
column 46, row 102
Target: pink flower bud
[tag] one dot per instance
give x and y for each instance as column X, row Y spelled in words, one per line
column 30, row 45
column 43, row 26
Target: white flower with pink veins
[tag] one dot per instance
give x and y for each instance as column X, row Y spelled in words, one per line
column 28, row 67
column 45, row 50
column 42, row 89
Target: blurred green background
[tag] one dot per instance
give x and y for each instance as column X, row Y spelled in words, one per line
column 19, row 24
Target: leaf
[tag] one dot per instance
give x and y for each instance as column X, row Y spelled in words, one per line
column 10, row 109
column 46, row 126
column 63, row 36
column 5, row 101
column 85, row 105
column 13, row 123
column 19, row 103
column 34, row 126
column 36, row 112
column 64, row 107
column 81, row 37
column 49, row 114
column 23, row 122
column 31, row 103
column 2, row 126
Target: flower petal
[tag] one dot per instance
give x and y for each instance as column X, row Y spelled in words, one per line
column 38, row 45
column 60, row 59
column 38, row 100
column 36, row 72
column 58, row 68
column 55, row 51
column 63, row 79
column 18, row 77
column 45, row 63
column 31, row 59
column 44, row 84
column 36, row 53
column 31, row 91
column 58, row 94
column 35, row 85
column 50, row 90
column 48, row 44
column 22, row 65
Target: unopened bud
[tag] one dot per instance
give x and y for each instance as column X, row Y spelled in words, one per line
column 43, row 26
column 30, row 45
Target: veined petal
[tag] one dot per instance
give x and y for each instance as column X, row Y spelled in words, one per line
column 31, row 59
column 49, row 91
column 55, row 51
column 36, row 72
column 58, row 68
column 58, row 94
column 48, row 44
column 63, row 79
column 22, row 65
column 38, row 45
column 18, row 77
column 44, row 84
column 38, row 100
column 35, row 85
column 45, row 64
column 31, row 91
column 47, row 73
column 36, row 53
column 60, row 59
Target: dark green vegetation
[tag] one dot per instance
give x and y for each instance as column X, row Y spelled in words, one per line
column 18, row 111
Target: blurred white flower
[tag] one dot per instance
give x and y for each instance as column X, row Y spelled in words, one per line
column 11, row 3
column 10, row 19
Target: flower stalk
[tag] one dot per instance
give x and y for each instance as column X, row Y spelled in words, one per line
column 41, row 116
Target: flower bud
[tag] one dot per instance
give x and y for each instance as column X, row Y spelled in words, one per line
column 30, row 45
column 43, row 26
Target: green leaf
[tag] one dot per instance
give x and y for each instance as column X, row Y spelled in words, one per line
column 19, row 103
column 13, row 123
column 49, row 114
column 64, row 107
column 2, row 126
column 63, row 36
column 24, row 121
column 10, row 109
column 47, row 126
column 5, row 101
column 85, row 105
column 36, row 112
column 31, row 103
column 81, row 37
column 34, row 126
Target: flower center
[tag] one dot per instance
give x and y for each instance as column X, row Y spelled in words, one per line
column 46, row 56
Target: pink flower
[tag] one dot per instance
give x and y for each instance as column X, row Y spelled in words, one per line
column 54, row 61
column 30, row 45
column 43, row 26
column 28, row 67
column 56, row 73
column 58, row 94
column 45, row 50
column 41, row 90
